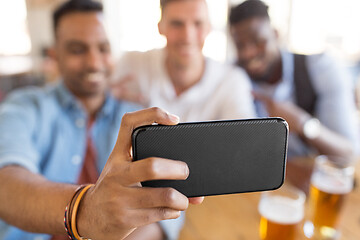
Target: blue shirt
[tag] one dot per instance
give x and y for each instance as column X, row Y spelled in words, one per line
column 335, row 104
column 44, row 130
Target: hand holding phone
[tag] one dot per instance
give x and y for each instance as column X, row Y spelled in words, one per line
column 224, row 157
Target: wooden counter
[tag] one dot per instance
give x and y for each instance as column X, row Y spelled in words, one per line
column 236, row 217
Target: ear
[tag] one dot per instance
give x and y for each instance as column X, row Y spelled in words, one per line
column 52, row 53
column 161, row 27
column 276, row 34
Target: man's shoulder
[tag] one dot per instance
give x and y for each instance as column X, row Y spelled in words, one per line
column 30, row 105
column 327, row 74
column 31, row 94
column 226, row 80
column 328, row 66
column 316, row 59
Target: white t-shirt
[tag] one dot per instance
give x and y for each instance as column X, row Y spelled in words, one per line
column 224, row 91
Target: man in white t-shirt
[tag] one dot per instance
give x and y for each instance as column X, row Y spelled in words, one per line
column 179, row 78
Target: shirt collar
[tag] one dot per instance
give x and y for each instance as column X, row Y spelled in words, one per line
column 69, row 101
column 66, row 98
column 108, row 106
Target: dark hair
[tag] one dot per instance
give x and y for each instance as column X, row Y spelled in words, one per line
column 75, row 6
column 248, row 9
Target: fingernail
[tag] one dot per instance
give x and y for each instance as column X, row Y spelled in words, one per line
column 174, row 117
column 187, row 171
column 177, row 214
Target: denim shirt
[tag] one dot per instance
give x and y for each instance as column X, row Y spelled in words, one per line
column 44, row 130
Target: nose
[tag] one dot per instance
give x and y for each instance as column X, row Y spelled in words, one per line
column 248, row 51
column 188, row 34
column 94, row 61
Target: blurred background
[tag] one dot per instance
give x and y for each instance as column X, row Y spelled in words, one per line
column 305, row 26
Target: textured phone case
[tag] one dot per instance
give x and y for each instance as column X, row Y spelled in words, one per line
column 223, row 156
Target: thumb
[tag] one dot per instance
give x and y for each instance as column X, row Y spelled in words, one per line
column 130, row 121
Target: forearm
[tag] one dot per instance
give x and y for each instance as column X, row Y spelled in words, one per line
column 31, row 202
column 331, row 143
column 327, row 142
column 111, row 209
column 148, row 232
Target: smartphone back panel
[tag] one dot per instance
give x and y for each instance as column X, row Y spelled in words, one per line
column 223, row 156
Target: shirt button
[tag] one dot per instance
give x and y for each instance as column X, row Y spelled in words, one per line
column 76, row 160
column 80, row 123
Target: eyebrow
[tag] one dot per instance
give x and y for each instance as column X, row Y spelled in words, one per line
column 77, row 42
column 74, row 42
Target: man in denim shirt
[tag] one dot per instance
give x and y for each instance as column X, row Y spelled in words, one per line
column 43, row 146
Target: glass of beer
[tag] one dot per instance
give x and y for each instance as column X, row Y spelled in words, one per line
column 282, row 212
column 332, row 179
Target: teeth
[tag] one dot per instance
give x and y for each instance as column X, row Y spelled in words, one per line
column 255, row 63
column 95, row 77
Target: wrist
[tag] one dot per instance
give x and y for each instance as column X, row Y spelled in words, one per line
column 71, row 212
column 311, row 128
column 83, row 221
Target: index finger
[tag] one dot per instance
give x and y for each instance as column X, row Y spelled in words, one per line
column 130, row 121
column 153, row 169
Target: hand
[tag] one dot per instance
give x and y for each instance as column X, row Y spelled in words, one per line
column 128, row 89
column 117, row 204
column 294, row 115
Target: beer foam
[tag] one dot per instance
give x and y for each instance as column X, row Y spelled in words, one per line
column 333, row 184
column 281, row 210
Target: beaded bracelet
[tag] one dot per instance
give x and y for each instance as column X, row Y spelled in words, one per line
column 74, row 212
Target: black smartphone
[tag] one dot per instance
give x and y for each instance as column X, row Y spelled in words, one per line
column 224, row 157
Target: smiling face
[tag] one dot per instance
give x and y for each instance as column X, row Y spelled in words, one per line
column 185, row 24
column 257, row 47
column 83, row 53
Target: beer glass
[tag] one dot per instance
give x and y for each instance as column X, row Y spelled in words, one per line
column 281, row 212
column 331, row 180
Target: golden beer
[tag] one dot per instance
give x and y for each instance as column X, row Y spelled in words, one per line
column 327, row 196
column 276, row 231
column 326, row 207
column 280, row 216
